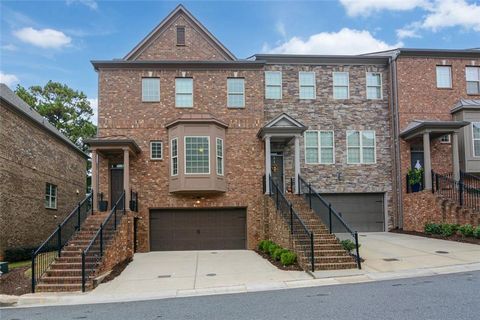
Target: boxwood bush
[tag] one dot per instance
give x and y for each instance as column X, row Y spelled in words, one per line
column 288, row 258
column 278, row 253
column 476, row 232
column 466, row 230
column 432, row 228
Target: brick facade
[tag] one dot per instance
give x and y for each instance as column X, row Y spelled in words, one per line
column 30, row 157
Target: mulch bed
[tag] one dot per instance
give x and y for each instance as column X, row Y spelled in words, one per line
column 15, row 282
column 117, row 270
column 456, row 237
column 278, row 264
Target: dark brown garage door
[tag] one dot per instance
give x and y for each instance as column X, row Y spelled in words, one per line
column 364, row 212
column 197, row 229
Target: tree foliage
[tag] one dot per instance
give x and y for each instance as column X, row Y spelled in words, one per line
column 67, row 109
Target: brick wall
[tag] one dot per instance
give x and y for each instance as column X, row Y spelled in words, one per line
column 275, row 227
column 29, row 158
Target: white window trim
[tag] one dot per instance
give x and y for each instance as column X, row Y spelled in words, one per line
column 217, row 156
column 185, row 156
column 381, row 86
column 151, row 149
column 447, row 141
column 361, row 147
column 319, row 147
column 173, row 157
column 159, row 93
column 473, row 140
column 450, row 75
column 348, row 85
column 478, row 80
column 193, row 91
column 236, row 93
column 49, row 206
column 281, row 85
column 314, row 85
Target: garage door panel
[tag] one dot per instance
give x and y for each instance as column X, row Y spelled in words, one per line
column 181, row 229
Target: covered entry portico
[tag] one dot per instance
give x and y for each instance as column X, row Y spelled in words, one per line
column 112, row 155
column 277, row 134
column 426, row 131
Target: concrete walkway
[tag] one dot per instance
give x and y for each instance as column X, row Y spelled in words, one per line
column 158, row 275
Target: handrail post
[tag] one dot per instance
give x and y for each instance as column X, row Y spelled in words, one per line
column 83, row 271
column 310, row 194
column 124, row 203
column 101, row 240
column 59, row 240
column 291, row 184
column 92, row 199
column 330, row 217
column 312, row 252
column 359, row 263
column 291, row 219
column 270, row 184
column 78, row 216
column 115, row 218
column 460, row 192
column 33, row 271
column 433, row 181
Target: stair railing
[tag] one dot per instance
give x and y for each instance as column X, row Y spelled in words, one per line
column 93, row 253
column 464, row 192
column 51, row 248
column 329, row 216
column 297, row 227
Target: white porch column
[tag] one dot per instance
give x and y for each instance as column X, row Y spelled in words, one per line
column 94, row 180
column 426, row 160
column 126, row 177
column 268, row 164
column 455, row 157
column 297, row 162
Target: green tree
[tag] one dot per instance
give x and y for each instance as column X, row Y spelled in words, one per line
column 67, row 109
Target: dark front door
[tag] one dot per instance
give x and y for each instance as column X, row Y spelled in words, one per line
column 277, row 169
column 416, row 154
column 116, row 186
column 197, row 229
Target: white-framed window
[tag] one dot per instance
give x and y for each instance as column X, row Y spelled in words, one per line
column 306, row 81
column 374, row 85
column 174, row 156
column 476, row 138
column 150, row 89
column 220, row 156
column 156, row 150
column 473, row 80
column 444, row 76
column 236, row 92
column 273, row 85
column 319, row 147
column 361, row 147
column 197, row 155
column 50, row 196
column 184, row 92
column 445, row 138
column 341, row 85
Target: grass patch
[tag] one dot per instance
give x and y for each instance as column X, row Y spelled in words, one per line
column 19, row 264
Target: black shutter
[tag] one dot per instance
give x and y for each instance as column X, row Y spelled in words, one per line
column 180, row 36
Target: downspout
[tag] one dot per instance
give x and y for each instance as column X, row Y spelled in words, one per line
column 396, row 137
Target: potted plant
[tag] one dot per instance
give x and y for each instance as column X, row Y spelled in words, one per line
column 415, row 179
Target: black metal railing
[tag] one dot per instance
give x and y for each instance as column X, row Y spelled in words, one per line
column 463, row 192
column 93, row 253
column 297, row 227
column 44, row 256
column 133, row 201
column 329, row 216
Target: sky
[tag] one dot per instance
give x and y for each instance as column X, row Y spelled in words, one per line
column 56, row 40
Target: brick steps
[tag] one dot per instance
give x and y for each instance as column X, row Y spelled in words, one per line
column 61, row 287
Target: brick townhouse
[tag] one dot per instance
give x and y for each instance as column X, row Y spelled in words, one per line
column 43, row 175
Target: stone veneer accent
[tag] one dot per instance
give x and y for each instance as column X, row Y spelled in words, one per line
column 29, row 158
column 326, row 113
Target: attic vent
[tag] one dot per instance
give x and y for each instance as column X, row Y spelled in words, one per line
column 180, row 36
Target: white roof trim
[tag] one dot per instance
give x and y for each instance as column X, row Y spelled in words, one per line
column 281, row 117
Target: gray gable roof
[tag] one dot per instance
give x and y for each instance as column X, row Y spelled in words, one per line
column 463, row 104
column 22, row 108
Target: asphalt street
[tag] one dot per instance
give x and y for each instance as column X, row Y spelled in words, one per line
column 454, row 296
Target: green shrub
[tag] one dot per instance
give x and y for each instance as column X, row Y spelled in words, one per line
column 476, row 232
column 278, row 253
column 348, row 245
column 466, row 230
column 262, row 244
column 271, row 248
column 432, row 228
column 288, row 258
column 447, row 230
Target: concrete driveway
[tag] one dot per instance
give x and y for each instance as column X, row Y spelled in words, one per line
column 394, row 252
column 184, row 271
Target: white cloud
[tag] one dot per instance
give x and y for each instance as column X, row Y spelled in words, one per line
column 92, row 4
column 345, row 41
column 9, row 47
column 410, row 31
column 280, row 28
column 8, row 79
column 44, row 38
column 94, row 105
column 367, row 7
column 453, row 13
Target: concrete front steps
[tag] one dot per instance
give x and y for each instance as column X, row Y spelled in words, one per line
column 329, row 253
column 65, row 273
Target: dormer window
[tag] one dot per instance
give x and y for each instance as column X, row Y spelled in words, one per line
column 180, row 36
